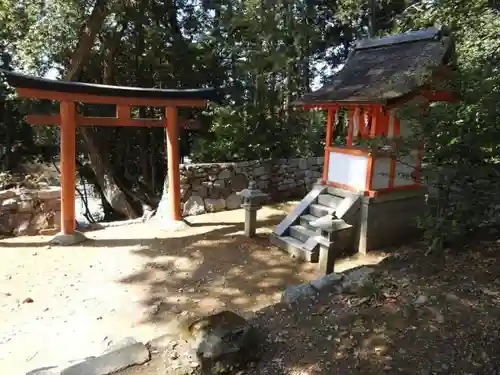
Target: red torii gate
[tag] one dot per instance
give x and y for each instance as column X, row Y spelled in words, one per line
column 68, row 93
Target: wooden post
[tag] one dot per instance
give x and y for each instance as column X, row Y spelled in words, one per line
column 375, row 115
column 174, row 184
column 350, row 126
column 123, row 112
column 328, row 143
column 395, row 134
column 68, row 166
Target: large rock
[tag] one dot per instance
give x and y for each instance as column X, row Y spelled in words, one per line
column 40, row 222
column 201, row 191
column 297, row 293
column 194, row 206
column 185, row 191
column 225, row 174
column 215, row 205
column 10, row 204
column 7, row 194
column 26, row 205
column 328, row 281
column 233, row 202
column 221, row 184
column 221, row 343
column 357, row 278
column 303, row 164
column 28, row 210
column 7, row 224
column 50, row 193
column 239, row 182
column 259, row 171
column 52, row 205
column 24, row 228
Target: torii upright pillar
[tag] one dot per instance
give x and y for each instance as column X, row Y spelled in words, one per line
column 67, row 132
column 174, row 185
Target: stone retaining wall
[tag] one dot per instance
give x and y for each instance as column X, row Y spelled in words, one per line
column 30, row 212
column 213, row 187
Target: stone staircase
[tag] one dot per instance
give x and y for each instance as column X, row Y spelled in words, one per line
column 323, row 225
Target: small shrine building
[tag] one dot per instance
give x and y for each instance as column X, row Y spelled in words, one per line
column 369, row 196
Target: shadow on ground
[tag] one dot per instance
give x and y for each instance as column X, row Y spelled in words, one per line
column 217, row 269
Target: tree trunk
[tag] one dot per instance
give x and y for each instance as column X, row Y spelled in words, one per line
column 179, row 46
column 86, row 40
column 102, row 168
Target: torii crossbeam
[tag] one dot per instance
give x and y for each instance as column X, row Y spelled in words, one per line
column 69, row 93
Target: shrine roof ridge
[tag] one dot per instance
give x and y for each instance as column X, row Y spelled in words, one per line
column 19, row 80
column 428, row 34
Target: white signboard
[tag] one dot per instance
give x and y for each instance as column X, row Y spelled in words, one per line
column 348, row 169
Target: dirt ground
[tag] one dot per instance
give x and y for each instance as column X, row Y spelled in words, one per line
column 63, row 303
column 423, row 315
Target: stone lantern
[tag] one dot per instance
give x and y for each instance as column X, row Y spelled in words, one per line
column 252, row 202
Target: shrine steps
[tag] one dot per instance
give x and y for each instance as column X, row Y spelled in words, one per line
column 305, row 238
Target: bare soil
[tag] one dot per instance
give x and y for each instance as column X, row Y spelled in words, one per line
column 64, row 303
column 425, row 314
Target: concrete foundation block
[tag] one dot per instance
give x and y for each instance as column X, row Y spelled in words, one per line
column 110, row 362
column 119, row 356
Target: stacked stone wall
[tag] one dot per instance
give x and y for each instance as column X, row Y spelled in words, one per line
column 213, row 187
column 30, row 212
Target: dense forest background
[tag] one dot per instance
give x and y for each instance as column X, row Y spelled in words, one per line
column 264, row 54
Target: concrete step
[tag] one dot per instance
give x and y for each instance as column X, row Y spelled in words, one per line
column 340, row 192
column 319, row 210
column 301, row 233
column 337, row 224
column 296, row 248
column 300, row 209
column 309, row 237
column 329, row 200
column 306, row 219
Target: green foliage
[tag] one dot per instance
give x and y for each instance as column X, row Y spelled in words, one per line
column 17, row 137
column 463, row 138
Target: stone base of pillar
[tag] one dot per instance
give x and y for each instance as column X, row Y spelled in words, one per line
column 62, row 239
column 169, row 225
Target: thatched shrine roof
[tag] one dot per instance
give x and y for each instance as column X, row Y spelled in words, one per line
column 381, row 70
